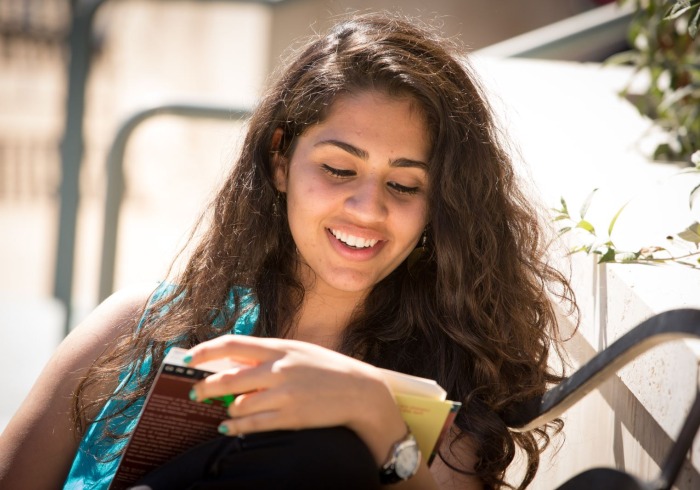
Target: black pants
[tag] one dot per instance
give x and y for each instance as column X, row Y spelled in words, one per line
column 333, row 458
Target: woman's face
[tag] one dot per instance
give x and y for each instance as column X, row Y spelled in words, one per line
column 356, row 189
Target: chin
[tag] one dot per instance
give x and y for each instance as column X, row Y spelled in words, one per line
column 352, row 284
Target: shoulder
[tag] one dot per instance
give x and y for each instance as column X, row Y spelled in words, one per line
column 114, row 317
column 42, row 428
column 123, row 305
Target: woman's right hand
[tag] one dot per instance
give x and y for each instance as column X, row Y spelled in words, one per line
column 299, row 385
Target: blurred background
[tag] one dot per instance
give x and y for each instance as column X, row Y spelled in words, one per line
column 73, row 72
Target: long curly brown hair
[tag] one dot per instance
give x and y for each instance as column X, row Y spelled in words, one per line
column 474, row 313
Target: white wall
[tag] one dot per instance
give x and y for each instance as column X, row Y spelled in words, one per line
column 576, row 134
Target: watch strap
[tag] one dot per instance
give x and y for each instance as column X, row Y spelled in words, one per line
column 388, row 473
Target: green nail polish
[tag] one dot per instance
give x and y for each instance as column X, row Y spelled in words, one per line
column 187, row 359
column 223, row 429
column 193, row 395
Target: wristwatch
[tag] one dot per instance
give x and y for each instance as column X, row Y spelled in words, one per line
column 403, row 461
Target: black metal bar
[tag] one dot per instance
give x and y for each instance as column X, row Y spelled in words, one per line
column 664, row 327
column 72, row 149
column 604, row 479
column 674, row 461
column 115, row 174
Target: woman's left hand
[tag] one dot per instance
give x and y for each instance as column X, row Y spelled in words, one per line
column 298, row 385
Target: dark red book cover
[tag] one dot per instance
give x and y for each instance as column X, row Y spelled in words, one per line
column 170, row 423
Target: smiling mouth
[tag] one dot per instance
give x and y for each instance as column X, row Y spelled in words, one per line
column 352, row 240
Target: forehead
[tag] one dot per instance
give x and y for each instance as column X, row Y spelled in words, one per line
column 376, row 119
column 372, row 101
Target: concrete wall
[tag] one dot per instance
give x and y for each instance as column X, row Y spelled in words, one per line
column 576, row 134
column 477, row 23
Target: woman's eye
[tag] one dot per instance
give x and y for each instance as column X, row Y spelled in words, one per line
column 402, row 189
column 337, row 172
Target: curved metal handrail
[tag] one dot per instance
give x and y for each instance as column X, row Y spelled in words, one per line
column 115, row 173
column 80, row 47
column 664, row 327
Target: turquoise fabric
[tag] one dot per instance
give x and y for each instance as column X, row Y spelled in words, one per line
column 92, row 467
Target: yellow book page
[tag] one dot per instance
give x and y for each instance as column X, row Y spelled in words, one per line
column 425, row 417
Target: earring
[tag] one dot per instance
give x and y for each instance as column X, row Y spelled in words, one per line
column 418, row 252
column 276, row 204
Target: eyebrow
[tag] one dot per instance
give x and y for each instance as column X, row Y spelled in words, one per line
column 360, row 153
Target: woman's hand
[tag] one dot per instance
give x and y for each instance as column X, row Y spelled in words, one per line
column 298, row 385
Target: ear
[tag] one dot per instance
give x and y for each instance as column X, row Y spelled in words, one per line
column 278, row 161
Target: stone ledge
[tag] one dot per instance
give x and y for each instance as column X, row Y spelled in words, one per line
column 575, row 134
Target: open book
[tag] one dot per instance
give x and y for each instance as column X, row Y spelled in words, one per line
column 171, row 423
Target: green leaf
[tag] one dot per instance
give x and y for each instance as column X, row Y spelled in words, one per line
column 691, row 234
column 691, row 197
column 614, row 218
column 678, row 9
column 608, row 256
column 580, row 248
column 693, row 25
column 564, row 209
column 585, row 225
column 627, row 257
column 626, row 57
column 564, row 230
column 663, row 152
column 587, row 203
column 674, row 97
column 648, row 252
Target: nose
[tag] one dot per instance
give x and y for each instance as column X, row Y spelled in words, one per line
column 367, row 201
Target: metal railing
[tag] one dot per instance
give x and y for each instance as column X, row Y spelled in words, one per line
column 80, row 47
column 115, row 173
column 661, row 328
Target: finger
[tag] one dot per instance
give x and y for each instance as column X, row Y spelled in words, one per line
column 258, row 422
column 233, row 382
column 241, row 348
column 258, row 401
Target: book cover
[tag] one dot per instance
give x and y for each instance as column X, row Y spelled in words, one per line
column 428, row 419
column 424, row 408
column 171, row 423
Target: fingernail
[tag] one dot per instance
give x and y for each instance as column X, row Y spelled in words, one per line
column 222, row 429
column 187, row 359
column 193, row 395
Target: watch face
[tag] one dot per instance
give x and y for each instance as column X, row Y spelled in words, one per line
column 407, row 459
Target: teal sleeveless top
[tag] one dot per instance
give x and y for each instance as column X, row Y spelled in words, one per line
column 96, row 462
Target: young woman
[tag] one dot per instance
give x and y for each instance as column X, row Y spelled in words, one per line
column 373, row 219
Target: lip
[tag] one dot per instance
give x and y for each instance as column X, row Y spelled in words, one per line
column 358, row 254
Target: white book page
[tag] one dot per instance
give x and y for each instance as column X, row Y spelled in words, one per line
column 413, row 385
column 176, row 355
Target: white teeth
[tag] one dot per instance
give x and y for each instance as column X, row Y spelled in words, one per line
column 352, row 240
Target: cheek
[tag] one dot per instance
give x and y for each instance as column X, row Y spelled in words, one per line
column 311, row 196
column 417, row 216
column 307, row 204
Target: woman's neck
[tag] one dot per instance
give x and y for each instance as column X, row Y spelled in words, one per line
column 323, row 317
